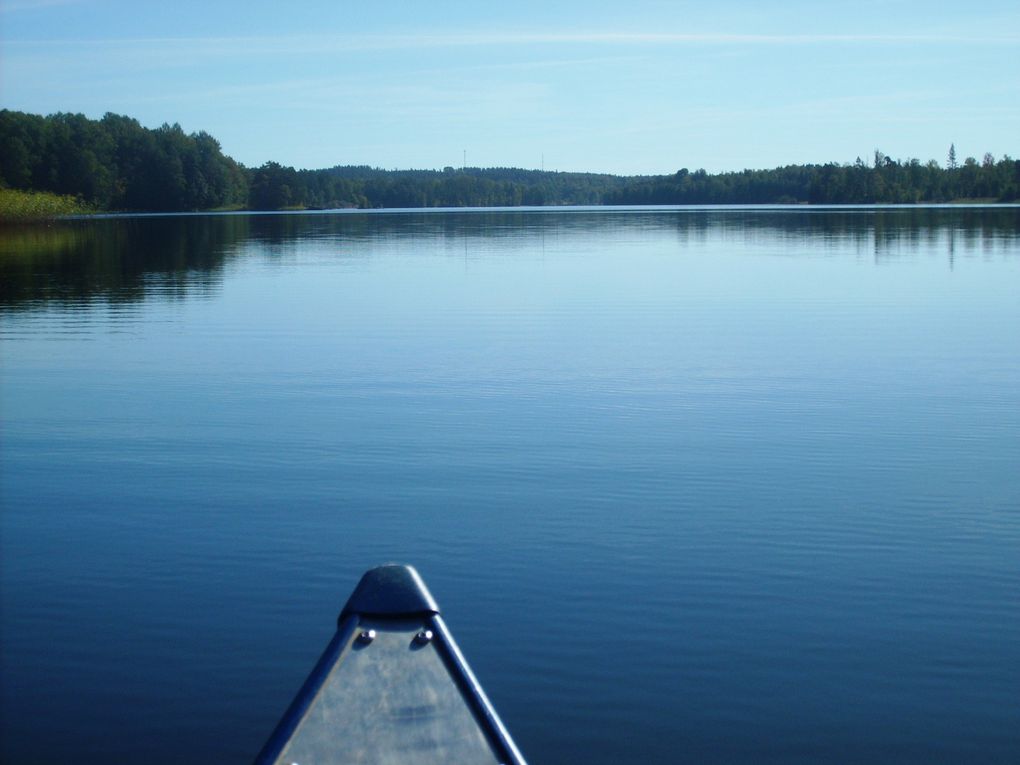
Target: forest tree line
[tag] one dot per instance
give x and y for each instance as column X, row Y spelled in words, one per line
column 117, row 164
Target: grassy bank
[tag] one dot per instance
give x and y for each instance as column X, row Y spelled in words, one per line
column 23, row 206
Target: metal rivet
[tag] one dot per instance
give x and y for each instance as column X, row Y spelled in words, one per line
column 423, row 637
column 367, row 636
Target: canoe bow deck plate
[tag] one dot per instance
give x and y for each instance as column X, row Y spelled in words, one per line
column 391, row 689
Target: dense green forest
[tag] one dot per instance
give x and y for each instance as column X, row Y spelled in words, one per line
column 117, row 164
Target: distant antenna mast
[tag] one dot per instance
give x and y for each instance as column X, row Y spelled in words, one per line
column 543, row 161
column 464, row 166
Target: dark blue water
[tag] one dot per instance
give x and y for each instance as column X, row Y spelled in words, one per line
column 715, row 486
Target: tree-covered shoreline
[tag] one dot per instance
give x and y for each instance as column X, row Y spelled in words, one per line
column 116, row 164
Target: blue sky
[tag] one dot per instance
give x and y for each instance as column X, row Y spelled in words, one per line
column 642, row 87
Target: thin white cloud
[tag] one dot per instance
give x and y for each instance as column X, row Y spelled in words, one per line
column 321, row 43
column 666, row 38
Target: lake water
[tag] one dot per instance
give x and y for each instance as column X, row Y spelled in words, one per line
column 698, row 485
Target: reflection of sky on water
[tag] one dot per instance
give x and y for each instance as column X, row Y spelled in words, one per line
column 171, row 257
column 697, row 482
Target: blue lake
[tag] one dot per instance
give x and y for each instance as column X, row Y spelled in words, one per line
column 702, row 485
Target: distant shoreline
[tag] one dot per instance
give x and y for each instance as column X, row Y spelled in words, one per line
column 115, row 164
column 6, row 220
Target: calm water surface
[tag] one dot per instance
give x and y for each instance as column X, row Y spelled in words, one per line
column 714, row 486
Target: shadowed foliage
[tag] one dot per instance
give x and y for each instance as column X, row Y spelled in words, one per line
column 116, row 164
